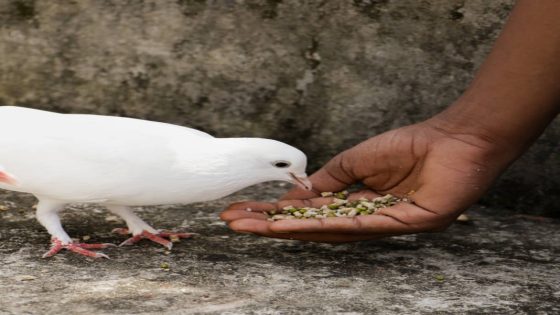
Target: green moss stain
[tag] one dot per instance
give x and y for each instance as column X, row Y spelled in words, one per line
column 455, row 14
column 371, row 8
column 270, row 9
column 191, row 8
column 24, row 9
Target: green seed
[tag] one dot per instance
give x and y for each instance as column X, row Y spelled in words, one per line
column 342, row 194
column 340, row 207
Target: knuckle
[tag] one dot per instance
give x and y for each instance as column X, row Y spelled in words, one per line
column 322, row 223
column 357, row 223
column 340, row 168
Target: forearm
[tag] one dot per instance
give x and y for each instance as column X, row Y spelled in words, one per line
column 516, row 92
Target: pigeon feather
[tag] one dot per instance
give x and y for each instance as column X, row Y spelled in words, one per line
column 122, row 162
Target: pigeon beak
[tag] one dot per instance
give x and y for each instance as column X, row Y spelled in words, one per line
column 301, row 181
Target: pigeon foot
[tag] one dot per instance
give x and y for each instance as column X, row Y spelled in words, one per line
column 159, row 238
column 78, row 248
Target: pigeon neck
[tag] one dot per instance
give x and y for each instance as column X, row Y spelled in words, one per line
column 225, row 165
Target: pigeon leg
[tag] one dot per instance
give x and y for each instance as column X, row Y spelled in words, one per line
column 141, row 230
column 47, row 214
column 79, row 248
column 158, row 237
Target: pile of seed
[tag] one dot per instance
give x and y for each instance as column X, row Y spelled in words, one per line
column 340, row 207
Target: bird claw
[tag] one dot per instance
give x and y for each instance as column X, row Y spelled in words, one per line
column 121, row 231
column 78, row 248
column 157, row 238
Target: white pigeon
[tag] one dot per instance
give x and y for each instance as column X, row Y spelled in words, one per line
column 123, row 162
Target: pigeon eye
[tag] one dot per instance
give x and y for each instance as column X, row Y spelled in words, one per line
column 281, row 164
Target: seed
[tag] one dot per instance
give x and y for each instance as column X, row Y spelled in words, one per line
column 342, row 194
column 339, row 201
column 340, row 207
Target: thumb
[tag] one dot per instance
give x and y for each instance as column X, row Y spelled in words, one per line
column 334, row 176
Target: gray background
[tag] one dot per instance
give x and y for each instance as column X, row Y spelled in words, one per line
column 320, row 75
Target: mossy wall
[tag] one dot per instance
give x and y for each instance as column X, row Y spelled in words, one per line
column 321, row 75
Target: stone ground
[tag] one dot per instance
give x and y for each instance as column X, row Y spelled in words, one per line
column 497, row 263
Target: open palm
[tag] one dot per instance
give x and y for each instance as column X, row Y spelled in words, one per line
column 441, row 172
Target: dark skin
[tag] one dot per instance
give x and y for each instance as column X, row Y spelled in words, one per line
column 444, row 164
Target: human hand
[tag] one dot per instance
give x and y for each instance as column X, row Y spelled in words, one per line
column 442, row 171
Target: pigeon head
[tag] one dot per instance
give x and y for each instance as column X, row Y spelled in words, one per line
column 289, row 164
column 284, row 162
column 274, row 160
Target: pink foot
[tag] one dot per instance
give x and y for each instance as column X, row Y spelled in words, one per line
column 79, row 248
column 158, row 238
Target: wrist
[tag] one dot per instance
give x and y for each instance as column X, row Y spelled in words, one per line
column 476, row 124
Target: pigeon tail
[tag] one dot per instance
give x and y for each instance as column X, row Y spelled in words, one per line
column 7, row 178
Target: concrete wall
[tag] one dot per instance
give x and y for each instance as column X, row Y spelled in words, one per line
column 321, row 75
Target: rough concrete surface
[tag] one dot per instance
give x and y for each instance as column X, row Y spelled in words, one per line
column 320, row 75
column 498, row 263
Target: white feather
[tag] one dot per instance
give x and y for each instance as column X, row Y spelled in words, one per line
column 124, row 161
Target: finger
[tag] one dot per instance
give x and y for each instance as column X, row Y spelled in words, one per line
column 232, row 215
column 261, row 228
column 321, row 201
column 402, row 218
column 255, row 226
column 336, row 175
column 312, row 203
column 324, row 237
column 240, row 210
column 253, row 205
